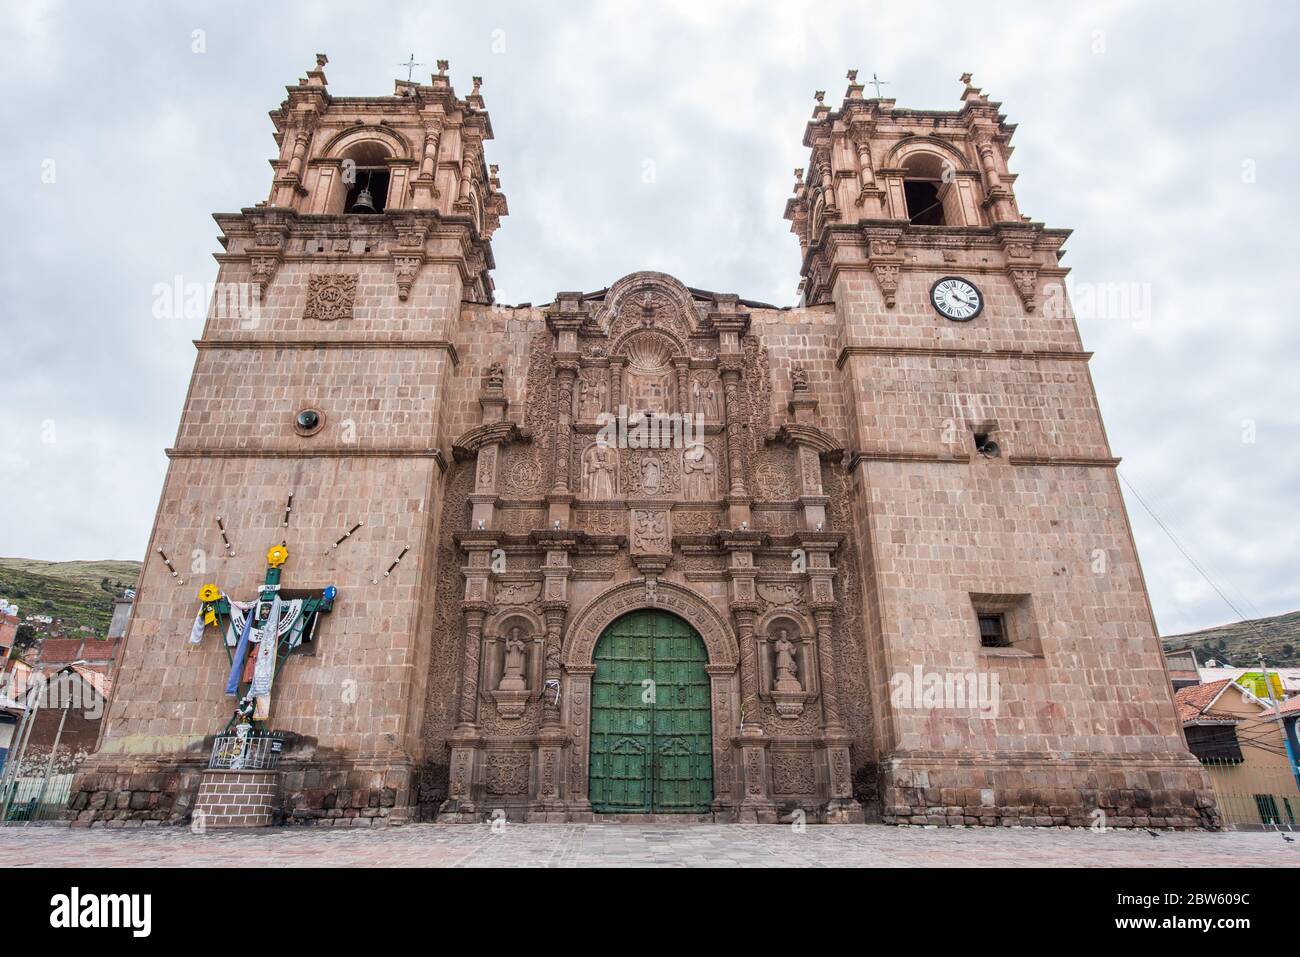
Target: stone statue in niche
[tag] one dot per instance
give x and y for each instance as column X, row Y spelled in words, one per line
column 512, row 676
column 592, row 401
column 706, row 399
column 799, row 379
column 698, row 471
column 494, row 377
column 786, row 663
column 598, row 464
column 651, row 475
column 511, row 692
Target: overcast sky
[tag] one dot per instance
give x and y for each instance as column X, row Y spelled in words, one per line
column 1164, row 134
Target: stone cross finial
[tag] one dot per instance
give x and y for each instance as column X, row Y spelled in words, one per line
column 966, row 78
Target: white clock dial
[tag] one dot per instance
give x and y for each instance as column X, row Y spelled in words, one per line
column 956, row 299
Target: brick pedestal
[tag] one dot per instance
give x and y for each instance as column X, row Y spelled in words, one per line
column 237, row 798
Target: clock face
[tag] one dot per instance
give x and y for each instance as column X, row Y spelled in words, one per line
column 956, row 299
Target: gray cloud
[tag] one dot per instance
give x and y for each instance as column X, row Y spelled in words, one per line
column 1136, row 122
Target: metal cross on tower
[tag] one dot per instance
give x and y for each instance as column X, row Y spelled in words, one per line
column 410, row 67
column 878, row 83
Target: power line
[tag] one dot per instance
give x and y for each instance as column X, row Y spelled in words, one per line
column 1186, row 554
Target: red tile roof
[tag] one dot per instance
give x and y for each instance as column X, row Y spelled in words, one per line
column 1289, row 706
column 62, row 651
column 1194, row 699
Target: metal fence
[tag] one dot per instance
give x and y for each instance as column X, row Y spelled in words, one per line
column 251, row 751
column 1253, row 797
column 35, row 799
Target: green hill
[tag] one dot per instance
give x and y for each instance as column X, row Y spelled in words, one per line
column 1240, row 644
column 78, row 593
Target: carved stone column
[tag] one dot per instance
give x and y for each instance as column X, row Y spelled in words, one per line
column 731, row 398
column 566, row 373
column 683, row 391
column 424, row 189
column 552, row 738
column 742, row 574
column 474, row 616
column 555, row 612
column 565, row 318
column 615, row 384
column 823, row 615
column 745, row 614
column 841, row 807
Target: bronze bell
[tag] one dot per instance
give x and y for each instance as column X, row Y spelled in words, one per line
column 365, row 202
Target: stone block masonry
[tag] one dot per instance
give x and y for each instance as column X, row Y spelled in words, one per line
column 837, row 524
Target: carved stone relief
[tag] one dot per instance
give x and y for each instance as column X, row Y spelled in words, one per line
column 330, row 296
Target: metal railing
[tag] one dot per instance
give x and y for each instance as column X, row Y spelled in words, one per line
column 34, row 799
column 250, row 751
column 1254, row 797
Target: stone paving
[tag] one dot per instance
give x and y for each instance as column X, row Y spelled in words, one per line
column 634, row 845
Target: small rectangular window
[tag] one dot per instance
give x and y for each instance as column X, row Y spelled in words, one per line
column 993, row 631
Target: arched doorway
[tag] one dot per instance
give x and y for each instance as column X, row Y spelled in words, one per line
column 651, row 726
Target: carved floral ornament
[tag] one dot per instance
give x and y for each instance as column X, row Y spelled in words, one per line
column 330, row 296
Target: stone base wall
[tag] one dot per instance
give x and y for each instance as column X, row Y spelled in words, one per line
column 342, row 794
column 1158, row 791
column 162, row 790
column 142, row 792
column 237, row 799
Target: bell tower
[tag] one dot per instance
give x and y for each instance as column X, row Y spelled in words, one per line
column 317, row 420
column 995, row 547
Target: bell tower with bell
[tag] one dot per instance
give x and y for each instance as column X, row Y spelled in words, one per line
column 329, row 393
column 995, row 543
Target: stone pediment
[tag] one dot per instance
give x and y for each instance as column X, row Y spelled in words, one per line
column 795, row 434
column 492, row 433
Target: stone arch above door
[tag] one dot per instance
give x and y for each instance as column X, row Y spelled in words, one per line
column 697, row 611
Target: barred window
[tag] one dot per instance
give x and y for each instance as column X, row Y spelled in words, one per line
column 993, row 631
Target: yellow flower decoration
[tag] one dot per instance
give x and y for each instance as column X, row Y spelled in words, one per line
column 277, row 556
column 209, row 593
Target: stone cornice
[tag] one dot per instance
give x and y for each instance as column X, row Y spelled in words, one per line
column 443, row 344
column 1072, row 461
column 1075, row 461
column 955, row 353
column 316, row 452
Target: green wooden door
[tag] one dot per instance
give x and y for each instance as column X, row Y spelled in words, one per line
column 651, row 732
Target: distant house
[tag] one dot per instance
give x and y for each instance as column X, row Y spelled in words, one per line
column 13, row 694
column 65, row 711
column 1244, row 751
column 97, row 654
column 64, row 674
column 8, row 628
column 1183, row 670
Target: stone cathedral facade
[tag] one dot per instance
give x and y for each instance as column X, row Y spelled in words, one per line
column 869, row 562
